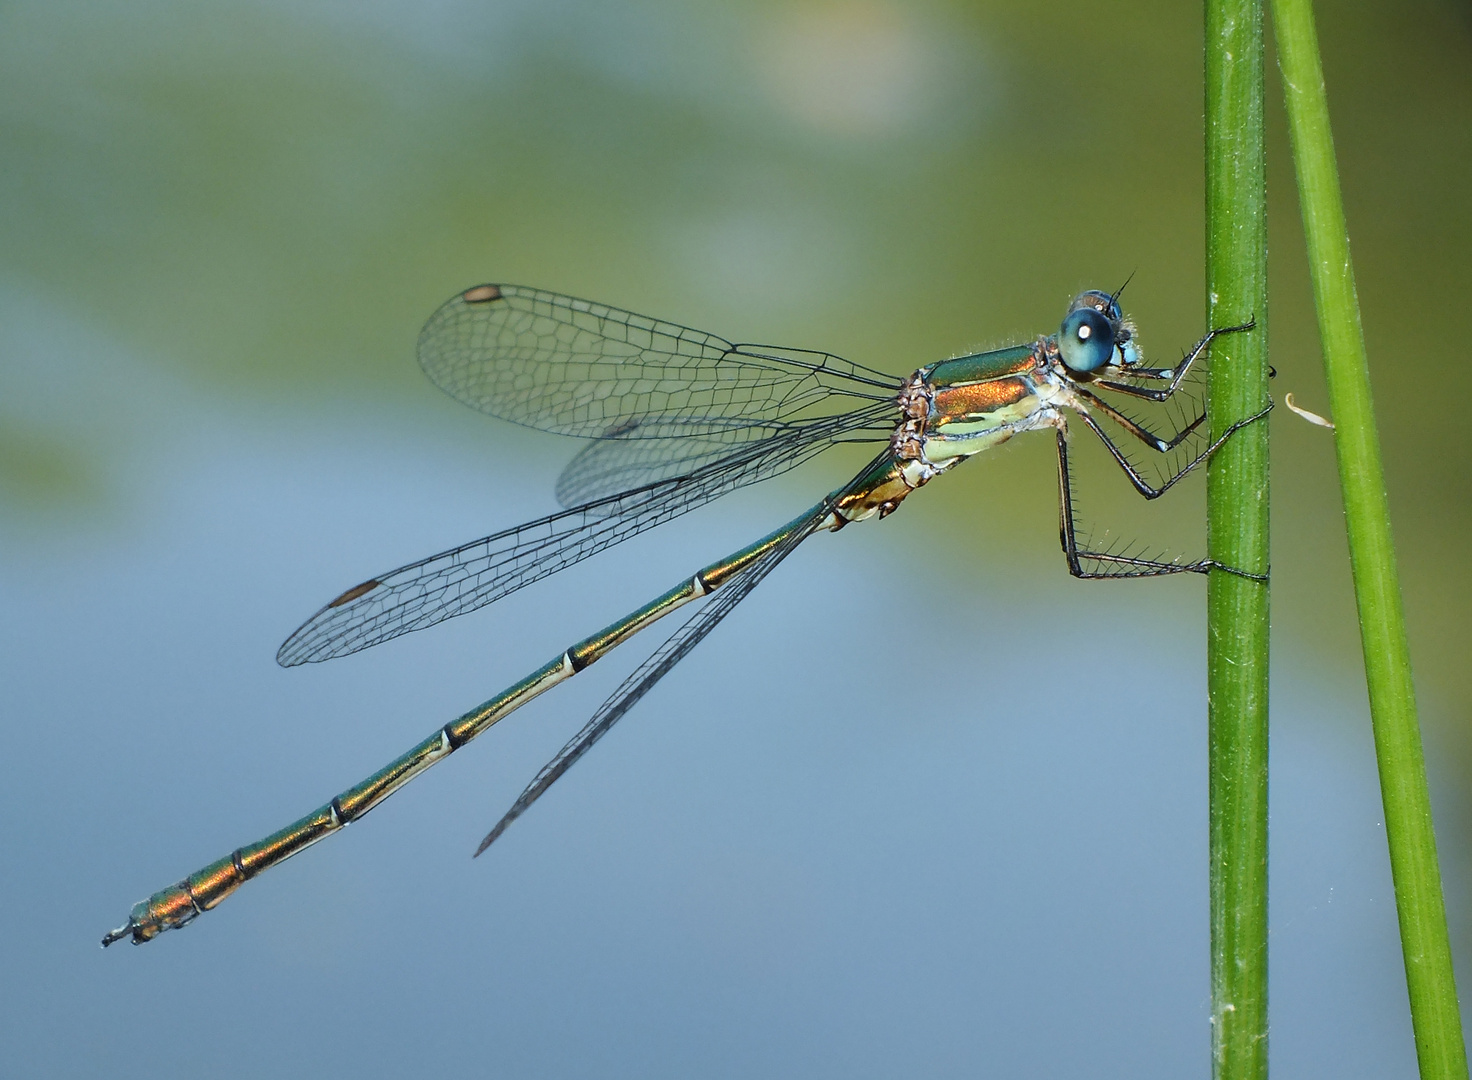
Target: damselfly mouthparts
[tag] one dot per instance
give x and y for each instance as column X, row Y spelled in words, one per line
column 678, row 418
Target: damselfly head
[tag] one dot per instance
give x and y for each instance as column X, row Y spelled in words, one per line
column 1096, row 334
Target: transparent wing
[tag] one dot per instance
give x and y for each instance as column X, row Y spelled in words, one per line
column 468, row 577
column 618, row 463
column 690, row 634
column 629, row 460
column 574, row 367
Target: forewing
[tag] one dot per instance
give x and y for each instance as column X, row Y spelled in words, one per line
column 574, row 367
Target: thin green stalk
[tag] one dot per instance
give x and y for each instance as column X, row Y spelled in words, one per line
column 1237, row 536
column 1433, row 993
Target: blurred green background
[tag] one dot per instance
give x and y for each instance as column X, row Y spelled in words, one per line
column 255, row 205
column 268, row 199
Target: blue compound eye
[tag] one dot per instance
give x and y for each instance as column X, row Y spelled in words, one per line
column 1086, row 340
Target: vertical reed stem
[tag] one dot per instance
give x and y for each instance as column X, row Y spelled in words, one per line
column 1237, row 535
column 1429, row 980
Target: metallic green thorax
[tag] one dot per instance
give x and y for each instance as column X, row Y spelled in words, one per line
column 982, row 367
column 961, row 407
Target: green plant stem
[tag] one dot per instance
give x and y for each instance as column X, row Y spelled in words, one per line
column 1429, row 979
column 1237, row 536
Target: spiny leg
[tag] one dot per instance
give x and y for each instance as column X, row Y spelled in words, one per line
column 1176, row 374
column 1145, row 435
column 1141, row 484
column 1117, row 565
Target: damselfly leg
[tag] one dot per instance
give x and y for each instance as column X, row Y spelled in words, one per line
column 1177, row 374
column 1110, row 564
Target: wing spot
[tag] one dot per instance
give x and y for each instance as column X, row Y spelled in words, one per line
column 481, row 293
column 355, row 592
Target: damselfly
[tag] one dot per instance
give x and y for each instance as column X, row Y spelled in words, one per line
column 678, row 418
